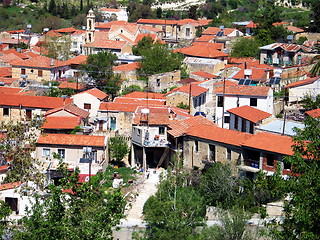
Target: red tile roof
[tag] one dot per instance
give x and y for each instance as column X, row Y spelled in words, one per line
column 314, row 113
column 33, row 101
column 10, row 90
column 240, row 60
column 217, row 46
column 294, row 29
column 187, row 80
column 72, row 139
column 5, row 71
column 252, row 114
column 80, row 59
column 251, row 25
column 72, row 85
column 180, row 127
column 53, row 33
column 61, row 122
column 10, row 58
column 127, row 67
column 226, row 82
column 15, row 52
column 106, row 44
column 131, row 28
column 195, row 89
column 217, row 134
column 67, row 30
column 70, row 108
column 215, row 30
column 95, row 92
column 156, row 21
column 124, row 38
column 39, row 62
column 139, row 101
column 151, row 29
column 154, row 37
column 257, row 74
column 8, row 81
column 149, row 95
column 7, row 186
column 302, row 82
column 12, row 41
column 204, row 74
column 109, row 10
column 117, row 107
column 4, row 168
column 244, row 90
column 271, row 143
column 200, row 50
column 109, row 24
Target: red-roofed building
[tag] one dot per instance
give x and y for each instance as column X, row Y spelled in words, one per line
column 229, row 97
column 70, row 148
column 24, row 107
column 191, row 95
column 127, row 72
column 90, row 101
column 112, row 14
column 315, row 113
column 39, row 68
column 245, row 118
column 227, row 32
column 73, row 85
column 148, row 95
column 201, row 75
column 264, row 151
column 203, row 51
column 297, row 90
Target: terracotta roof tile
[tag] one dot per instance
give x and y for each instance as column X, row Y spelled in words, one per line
column 33, row 101
column 72, row 139
column 302, row 82
column 205, row 38
column 72, row 85
column 151, row 29
column 217, row 46
column 271, row 143
column 180, row 127
column 187, row 80
column 95, row 92
column 12, row 41
column 252, row 114
column 201, row 50
column 109, row 10
column 80, row 59
column 154, row 37
column 195, row 89
column 10, row 58
column 251, row 25
column 314, row 113
column 109, row 24
column 7, row 186
column 156, row 21
column 139, row 101
column 204, row 74
column 10, row 90
column 66, row 30
column 106, row 44
column 70, row 108
column 117, row 107
column 15, row 52
column 61, row 122
column 124, row 38
column 40, row 62
column 215, row 30
column 294, row 29
column 8, row 81
column 244, row 90
column 5, row 71
column 149, row 95
column 127, row 67
column 217, row 134
column 53, row 33
column 226, row 82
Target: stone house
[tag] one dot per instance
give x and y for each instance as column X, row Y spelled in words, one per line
column 164, row 81
column 19, row 108
column 112, row 14
column 229, row 97
column 39, row 68
column 75, row 150
column 196, row 64
column 128, row 74
column 246, row 118
column 192, row 95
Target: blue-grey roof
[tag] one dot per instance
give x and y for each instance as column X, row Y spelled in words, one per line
column 276, row 126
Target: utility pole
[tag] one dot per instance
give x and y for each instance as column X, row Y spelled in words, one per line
column 224, row 91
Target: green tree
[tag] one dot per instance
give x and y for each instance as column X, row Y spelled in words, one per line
column 233, row 225
column 159, row 59
column 5, row 211
column 143, row 45
column 309, row 102
column 218, row 187
column 302, row 215
column 17, row 146
column 99, row 69
column 314, row 25
column 245, row 47
column 118, row 148
column 57, row 92
column 84, row 213
column 131, row 88
column 315, row 71
column 176, row 209
column 58, row 48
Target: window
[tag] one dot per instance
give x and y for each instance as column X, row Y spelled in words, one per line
column 138, row 132
column 286, row 165
column 13, row 203
column 236, row 122
column 228, row 154
column 158, row 82
column 46, row 152
column 113, row 123
column 187, row 32
column 253, row 102
column 270, row 160
column 161, row 130
column 220, row 101
column 74, row 44
column 87, row 106
column 251, row 127
column 196, row 146
column 6, row 112
column 23, row 71
column 40, row 73
column 28, row 114
column 227, row 119
column 212, row 153
column 31, row 70
column 243, row 125
column 62, row 153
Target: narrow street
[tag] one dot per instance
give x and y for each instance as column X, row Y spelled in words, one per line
column 133, row 220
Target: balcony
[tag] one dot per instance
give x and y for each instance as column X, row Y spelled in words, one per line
column 156, row 143
column 250, row 165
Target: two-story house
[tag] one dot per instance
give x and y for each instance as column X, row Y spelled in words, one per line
column 228, row 97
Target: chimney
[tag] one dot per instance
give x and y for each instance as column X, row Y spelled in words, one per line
column 52, row 62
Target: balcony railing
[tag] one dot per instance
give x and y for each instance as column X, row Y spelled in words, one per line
column 251, row 163
column 156, row 143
